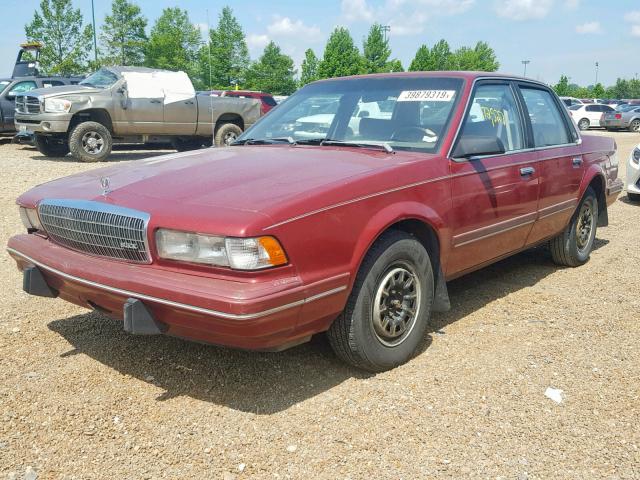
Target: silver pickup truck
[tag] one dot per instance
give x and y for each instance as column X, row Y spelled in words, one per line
column 130, row 105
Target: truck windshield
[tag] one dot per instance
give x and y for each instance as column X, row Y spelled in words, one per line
column 3, row 84
column 401, row 112
column 103, row 78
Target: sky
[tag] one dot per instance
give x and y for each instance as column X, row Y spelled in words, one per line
column 557, row 36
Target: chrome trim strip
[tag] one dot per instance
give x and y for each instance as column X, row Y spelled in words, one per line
column 497, row 232
column 570, row 207
column 184, row 306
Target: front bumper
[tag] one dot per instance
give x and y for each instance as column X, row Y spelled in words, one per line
column 633, row 176
column 267, row 315
column 44, row 122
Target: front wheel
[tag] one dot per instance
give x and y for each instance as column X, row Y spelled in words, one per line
column 389, row 307
column 574, row 245
column 227, row 134
column 90, row 142
column 584, row 124
column 51, row 146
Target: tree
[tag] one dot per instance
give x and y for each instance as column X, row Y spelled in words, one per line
column 273, row 72
column 376, row 50
column 438, row 58
column 598, row 91
column 562, row 87
column 173, row 43
column 485, row 58
column 395, row 65
column 309, row 68
column 422, row 61
column 123, row 34
column 341, row 57
column 229, row 52
column 66, row 42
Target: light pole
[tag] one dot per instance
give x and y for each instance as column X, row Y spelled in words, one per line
column 385, row 29
column 525, row 63
column 95, row 42
column 597, row 65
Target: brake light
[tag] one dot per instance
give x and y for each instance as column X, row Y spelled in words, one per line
column 618, row 116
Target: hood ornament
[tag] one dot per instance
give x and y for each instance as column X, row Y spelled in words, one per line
column 105, row 183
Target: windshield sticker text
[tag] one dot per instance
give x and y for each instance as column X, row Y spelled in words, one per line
column 495, row 116
column 426, row 96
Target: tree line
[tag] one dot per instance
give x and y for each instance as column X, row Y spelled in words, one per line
column 222, row 60
column 622, row 89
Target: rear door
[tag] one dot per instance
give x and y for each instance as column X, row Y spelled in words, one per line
column 559, row 155
column 495, row 196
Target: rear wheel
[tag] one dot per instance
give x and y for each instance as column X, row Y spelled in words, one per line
column 227, row 134
column 584, row 124
column 90, row 142
column 51, row 146
column 574, row 245
column 388, row 310
column 634, row 126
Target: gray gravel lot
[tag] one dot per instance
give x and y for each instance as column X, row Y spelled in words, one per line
column 81, row 399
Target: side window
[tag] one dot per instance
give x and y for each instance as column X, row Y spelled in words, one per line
column 592, row 108
column 492, row 123
column 22, row 87
column 547, row 123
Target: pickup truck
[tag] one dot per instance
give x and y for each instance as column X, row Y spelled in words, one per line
column 132, row 105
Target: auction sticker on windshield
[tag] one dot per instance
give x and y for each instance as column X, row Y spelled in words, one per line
column 426, row 95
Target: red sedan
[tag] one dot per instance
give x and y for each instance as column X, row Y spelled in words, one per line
column 349, row 222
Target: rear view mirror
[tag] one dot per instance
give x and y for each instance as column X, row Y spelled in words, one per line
column 475, row 146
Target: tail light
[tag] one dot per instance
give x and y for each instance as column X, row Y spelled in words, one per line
column 618, row 116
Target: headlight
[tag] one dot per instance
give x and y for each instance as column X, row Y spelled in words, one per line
column 56, row 105
column 237, row 253
column 30, row 219
column 635, row 156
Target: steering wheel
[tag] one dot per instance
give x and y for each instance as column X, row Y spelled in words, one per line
column 412, row 134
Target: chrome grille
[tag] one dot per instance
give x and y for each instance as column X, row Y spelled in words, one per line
column 97, row 228
column 27, row 104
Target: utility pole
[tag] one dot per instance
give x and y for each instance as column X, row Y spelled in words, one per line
column 95, row 41
column 597, row 65
column 525, row 63
column 385, row 29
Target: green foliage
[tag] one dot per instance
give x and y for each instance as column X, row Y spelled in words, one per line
column 562, row 88
column 173, row 43
column 341, row 57
column 229, row 53
column 123, row 34
column 395, row 65
column 273, row 72
column 66, row 42
column 623, row 89
column 309, row 68
column 376, row 50
column 481, row 58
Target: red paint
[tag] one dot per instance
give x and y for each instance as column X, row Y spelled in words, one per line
column 326, row 205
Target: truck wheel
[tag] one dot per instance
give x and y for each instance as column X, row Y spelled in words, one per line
column 227, row 134
column 90, row 142
column 51, row 146
column 573, row 246
column 388, row 310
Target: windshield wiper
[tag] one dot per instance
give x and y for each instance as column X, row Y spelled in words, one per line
column 264, row 141
column 379, row 146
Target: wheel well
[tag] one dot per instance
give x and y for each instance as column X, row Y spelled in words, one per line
column 230, row 118
column 597, row 184
column 92, row 115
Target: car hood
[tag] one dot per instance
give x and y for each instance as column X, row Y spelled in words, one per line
column 62, row 90
column 247, row 179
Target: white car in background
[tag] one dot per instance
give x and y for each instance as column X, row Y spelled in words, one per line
column 588, row 115
column 570, row 101
column 633, row 175
column 313, row 125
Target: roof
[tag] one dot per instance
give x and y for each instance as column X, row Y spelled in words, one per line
column 122, row 69
column 466, row 75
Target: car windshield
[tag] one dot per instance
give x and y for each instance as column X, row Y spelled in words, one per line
column 103, row 78
column 626, row 108
column 3, row 84
column 397, row 113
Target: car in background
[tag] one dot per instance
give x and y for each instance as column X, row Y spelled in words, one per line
column 633, row 175
column 570, row 101
column 267, row 101
column 588, row 115
column 627, row 117
column 10, row 88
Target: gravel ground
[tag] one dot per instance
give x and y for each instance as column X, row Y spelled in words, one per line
column 81, row 399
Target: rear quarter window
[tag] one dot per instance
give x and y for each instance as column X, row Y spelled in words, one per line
column 548, row 125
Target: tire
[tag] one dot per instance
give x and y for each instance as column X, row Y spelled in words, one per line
column 227, row 134
column 574, row 245
column 584, row 124
column 356, row 336
column 634, row 126
column 50, row 146
column 633, row 197
column 187, row 145
column 90, row 142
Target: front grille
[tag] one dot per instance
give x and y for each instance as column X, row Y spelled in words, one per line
column 27, row 104
column 97, row 228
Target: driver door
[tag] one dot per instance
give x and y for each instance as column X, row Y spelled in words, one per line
column 495, row 195
column 139, row 106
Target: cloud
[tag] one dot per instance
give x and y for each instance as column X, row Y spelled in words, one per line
column 589, row 28
column 523, row 9
column 284, row 27
column 634, row 19
column 257, row 42
column 356, row 10
column 572, row 4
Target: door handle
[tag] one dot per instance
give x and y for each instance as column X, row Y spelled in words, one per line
column 155, row 101
column 189, row 102
column 526, row 171
column 577, row 161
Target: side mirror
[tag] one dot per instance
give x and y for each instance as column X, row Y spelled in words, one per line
column 475, row 146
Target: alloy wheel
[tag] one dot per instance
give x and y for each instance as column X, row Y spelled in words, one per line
column 92, row 143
